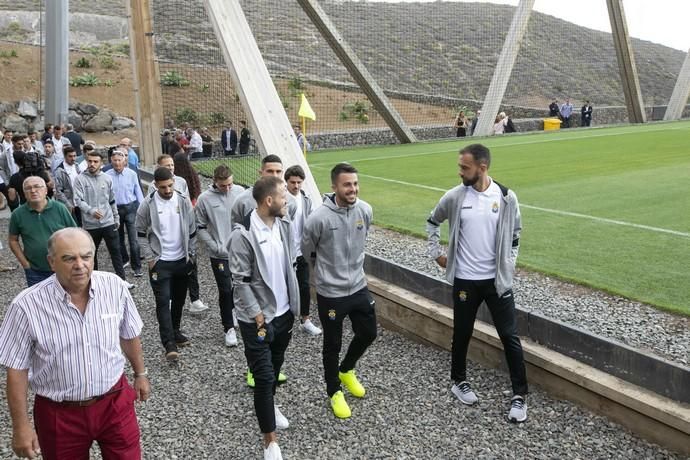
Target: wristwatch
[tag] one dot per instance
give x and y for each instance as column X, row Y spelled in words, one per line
column 141, row 374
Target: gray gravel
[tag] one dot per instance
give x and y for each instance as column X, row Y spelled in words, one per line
column 201, row 408
column 633, row 323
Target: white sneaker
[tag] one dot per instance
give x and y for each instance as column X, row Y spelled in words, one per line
column 310, row 328
column 231, row 338
column 281, row 422
column 518, row 409
column 234, row 319
column 272, row 452
column 197, row 306
column 464, row 393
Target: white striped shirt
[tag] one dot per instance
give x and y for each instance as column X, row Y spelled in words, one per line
column 70, row 356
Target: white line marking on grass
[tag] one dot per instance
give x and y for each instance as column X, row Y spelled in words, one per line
column 551, row 211
column 551, row 138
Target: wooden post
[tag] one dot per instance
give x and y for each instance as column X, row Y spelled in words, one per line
column 504, row 68
column 255, row 88
column 357, row 70
column 680, row 92
column 147, row 89
column 626, row 62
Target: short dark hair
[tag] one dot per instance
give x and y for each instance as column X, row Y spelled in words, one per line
column 264, row 187
column 86, row 148
column 48, row 127
column 161, row 174
column 68, row 149
column 94, row 153
column 271, row 159
column 295, row 170
column 479, row 152
column 160, row 158
column 341, row 168
column 48, row 141
column 222, row 172
column 17, row 138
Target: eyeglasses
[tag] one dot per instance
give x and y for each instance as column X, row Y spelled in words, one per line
column 29, row 188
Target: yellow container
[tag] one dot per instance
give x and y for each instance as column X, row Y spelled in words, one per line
column 551, row 124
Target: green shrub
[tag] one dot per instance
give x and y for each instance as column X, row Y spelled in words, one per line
column 174, row 78
column 203, row 87
column 9, row 54
column 85, row 79
column 216, row 118
column 358, row 110
column 83, row 63
column 107, row 62
column 186, row 115
column 296, row 86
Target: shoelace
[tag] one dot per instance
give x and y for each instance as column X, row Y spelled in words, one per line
column 518, row 403
column 465, row 388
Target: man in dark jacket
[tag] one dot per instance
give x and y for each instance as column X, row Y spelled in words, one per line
column 228, row 139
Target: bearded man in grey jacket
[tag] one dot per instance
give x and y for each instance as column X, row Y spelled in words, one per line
column 485, row 225
column 333, row 240
column 266, row 298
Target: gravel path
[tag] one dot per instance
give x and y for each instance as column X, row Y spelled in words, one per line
column 633, row 323
column 201, row 408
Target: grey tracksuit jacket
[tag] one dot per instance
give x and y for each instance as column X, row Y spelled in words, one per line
column 94, row 192
column 333, row 240
column 148, row 227
column 213, row 221
column 64, row 192
column 249, row 269
column 507, row 234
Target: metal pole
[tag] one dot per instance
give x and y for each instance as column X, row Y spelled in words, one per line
column 57, row 60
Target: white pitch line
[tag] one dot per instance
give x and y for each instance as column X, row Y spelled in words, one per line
column 512, row 144
column 551, row 211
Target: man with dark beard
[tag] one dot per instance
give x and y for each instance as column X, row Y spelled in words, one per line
column 485, row 224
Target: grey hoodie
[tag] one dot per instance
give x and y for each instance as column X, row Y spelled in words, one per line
column 94, row 192
column 148, row 227
column 249, row 269
column 64, row 192
column 507, row 234
column 334, row 240
column 213, row 219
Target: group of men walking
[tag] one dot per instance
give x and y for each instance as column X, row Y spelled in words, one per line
column 263, row 242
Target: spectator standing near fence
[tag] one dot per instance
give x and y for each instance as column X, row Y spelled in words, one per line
column 228, row 140
column 80, row 383
column 245, row 138
column 566, row 113
column 485, row 225
column 334, row 240
column 554, row 109
column 461, row 124
column 586, row 114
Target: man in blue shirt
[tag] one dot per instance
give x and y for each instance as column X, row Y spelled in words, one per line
column 127, row 197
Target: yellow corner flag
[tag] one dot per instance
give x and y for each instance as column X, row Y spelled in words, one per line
column 305, row 110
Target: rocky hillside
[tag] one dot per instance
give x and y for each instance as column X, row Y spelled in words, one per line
column 444, row 48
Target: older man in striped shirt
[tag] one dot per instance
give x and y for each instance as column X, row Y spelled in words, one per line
column 65, row 337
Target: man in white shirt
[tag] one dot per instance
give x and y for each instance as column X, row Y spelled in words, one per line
column 59, row 141
column 196, row 144
column 266, row 298
column 485, row 225
column 166, row 229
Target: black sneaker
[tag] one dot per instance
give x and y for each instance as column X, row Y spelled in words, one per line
column 171, row 353
column 138, row 273
column 181, row 340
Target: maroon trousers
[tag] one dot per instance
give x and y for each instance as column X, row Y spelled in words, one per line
column 68, row 432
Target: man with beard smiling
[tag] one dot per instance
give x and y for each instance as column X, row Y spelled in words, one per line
column 485, row 224
column 333, row 240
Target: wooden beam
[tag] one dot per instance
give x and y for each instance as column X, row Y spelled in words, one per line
column 681, row 92
column 357, row 70
column 147, row 90
column 504, row 68
column 259, row 97
column 626, row 62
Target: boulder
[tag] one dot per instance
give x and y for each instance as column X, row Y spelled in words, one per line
column 100, row 122
column 7, row 107
column 75, row 119
column 123, row 123
column 87, row 109
column 27, row 109
column 16, row 123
